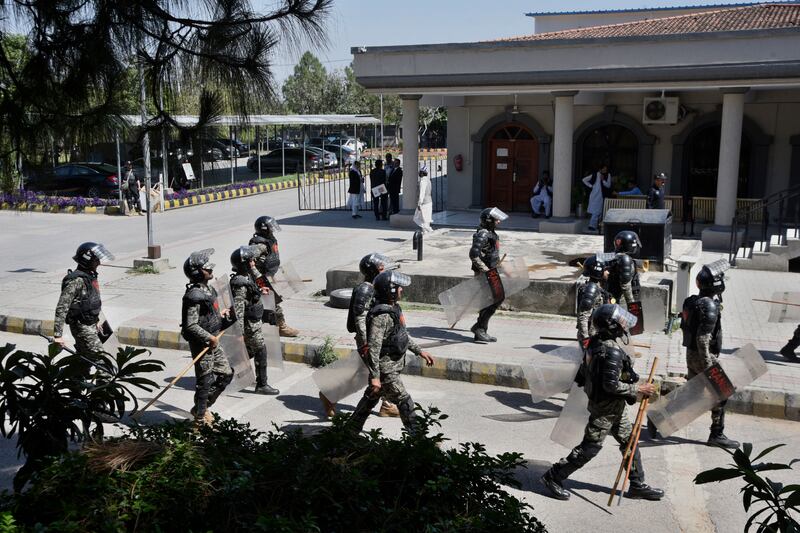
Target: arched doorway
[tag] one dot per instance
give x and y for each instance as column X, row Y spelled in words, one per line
column 613, row 145
column 513, row 163
column 702, row 155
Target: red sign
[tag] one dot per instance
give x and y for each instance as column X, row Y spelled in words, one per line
column 720, row 381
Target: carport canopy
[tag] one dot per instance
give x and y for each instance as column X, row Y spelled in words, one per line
column 266, row 120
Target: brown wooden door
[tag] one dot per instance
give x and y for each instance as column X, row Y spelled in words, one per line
column 513, row 167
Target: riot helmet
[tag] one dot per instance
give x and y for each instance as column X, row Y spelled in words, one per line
column 612, row 321
column 91, row 254
column 373, row 264
column 628, row 242
column 491, row 216
column 594, row 267
column 711, row 278
column 241, row 257
column 266, row 226
column 196, row 263
column 387, row 284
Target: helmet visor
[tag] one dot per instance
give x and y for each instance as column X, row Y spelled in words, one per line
column 384, row 261
column 273, row 225
column 101, row 253
column 718, row 268
column 497, row 214
column 401, row 280
column 201, row 259
column 624, row 318
column 605, row 257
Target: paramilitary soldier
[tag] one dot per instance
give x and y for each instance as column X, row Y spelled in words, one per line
column 794, row 343
column 388, row 343
column 79, row 304
column 267, row 261
column 702, row 336
column 249, row 313
column 608, row 378
column 201, row 323
column 360, row 303
column 623, row 279
column 591, row 296
column 485, row 256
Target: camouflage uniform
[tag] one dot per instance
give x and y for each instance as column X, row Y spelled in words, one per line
column 248, row 310
column 702, row 325
column 79, row 307
column 590, row 298
column 484, row 254
column 622, row 279
column 201, row 322
column 388, row 343
column 610, row 383
column 267, row 261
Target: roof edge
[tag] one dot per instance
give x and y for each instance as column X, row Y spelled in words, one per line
column 643, row 9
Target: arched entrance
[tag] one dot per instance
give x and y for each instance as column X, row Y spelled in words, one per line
column 613, row 145
column 702, row 154
column 513, row 163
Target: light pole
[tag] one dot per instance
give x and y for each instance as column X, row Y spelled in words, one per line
column 153, row 250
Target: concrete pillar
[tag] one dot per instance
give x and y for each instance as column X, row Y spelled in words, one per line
column 730, row 143
column 562, row 153
column 410, row 149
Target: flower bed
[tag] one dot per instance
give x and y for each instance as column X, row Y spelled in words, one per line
column 38, row 201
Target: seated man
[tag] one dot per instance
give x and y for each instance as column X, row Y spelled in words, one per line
column 542, row 199
column 633, row 190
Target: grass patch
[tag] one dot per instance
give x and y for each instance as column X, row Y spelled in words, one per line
column 144, row 269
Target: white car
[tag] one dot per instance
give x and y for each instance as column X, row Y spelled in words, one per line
column 350, row 142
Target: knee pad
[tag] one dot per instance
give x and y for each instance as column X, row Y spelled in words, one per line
column 584, row 453
column 223, row 380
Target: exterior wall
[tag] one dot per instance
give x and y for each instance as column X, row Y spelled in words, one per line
column 773, row 112
column 558, row 22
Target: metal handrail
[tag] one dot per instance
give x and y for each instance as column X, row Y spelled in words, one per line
column 779, row 198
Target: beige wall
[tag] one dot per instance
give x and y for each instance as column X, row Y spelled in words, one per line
column 774, row 111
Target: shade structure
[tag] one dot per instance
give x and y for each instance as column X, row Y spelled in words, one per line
column 266, row 120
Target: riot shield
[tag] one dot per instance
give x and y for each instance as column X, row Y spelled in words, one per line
column 571, row 423
column 345, row 376
column 704, row 391
column 472, row 295
column 636, row 309
column 232, row 344
column 553, row 372
column 224, row 295
column 785, row 307
column 287, row 281
column 272, row 338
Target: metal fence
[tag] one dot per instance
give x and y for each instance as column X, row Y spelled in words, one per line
column 324, row 191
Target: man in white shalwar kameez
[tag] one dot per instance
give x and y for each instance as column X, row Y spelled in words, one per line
column 595, row 182
column 424, row 213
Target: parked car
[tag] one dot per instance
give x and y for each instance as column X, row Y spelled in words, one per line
column 239, row 148
column 213, row 150
column 77, row 179
column 275, row 142
column 272, row 161
column 349, row 142
column 348, row 154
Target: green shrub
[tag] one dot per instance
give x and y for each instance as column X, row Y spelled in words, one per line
column 325, row 355
column 231, row 478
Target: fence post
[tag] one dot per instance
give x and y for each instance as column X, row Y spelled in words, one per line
column 417, row 244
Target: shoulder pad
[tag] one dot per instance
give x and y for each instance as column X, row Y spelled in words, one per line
column 708, row 305
column 196, row 295
column 238, row 280
column 610, row 351
column 589, row 293
column 626, row 267
column 482, row 234
column 689, row 302
column 362, row 296
column 258, row 239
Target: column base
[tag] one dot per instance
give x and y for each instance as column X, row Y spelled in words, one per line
column 561, row 225
column 719, row 238
column 404, row 220
column 159, row 265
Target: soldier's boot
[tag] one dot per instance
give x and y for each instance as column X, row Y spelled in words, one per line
column 717, row 436
column 652, row 429
column 480, row 334
column 207, row 418
column 794, row 343
column 643, row 491
column 285, row 331
column 262, row 387
column 388, row 409
column 328, row 406
column 554, row 486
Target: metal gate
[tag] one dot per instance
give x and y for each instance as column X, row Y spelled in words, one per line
column 327, row 191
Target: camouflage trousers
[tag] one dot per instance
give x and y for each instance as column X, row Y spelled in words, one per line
column 213, row 373
column 256, row 348
column 86, row 340
column 697, row 363
column 393, row 390
column 605, row 417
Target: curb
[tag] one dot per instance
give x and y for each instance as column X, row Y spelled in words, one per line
column 227, row 195
column 68, row 210
column 757, row 402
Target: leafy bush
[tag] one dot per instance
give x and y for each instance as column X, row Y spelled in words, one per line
column 325, row 355
column 231, row 478
column 777, row 500
column 44, row 397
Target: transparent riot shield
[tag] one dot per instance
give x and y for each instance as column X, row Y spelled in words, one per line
column 472, row 295
column 571, row 423
column 111, row 318
column 654, row 311
column 785, row 307
column 224, row 295
column 700, row 394
column 345, row 376
column 272, row 339
column 552, row 372
column 232, row 344
column 287, row 281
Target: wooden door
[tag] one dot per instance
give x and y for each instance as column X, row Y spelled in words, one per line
column 501, row 174
column 526, row 165
column 512, row 170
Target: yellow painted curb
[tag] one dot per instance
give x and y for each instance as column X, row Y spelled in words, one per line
column 293, row 348
column 437, row 371
column 47, row 327
column 15, row 324
column 169, row 339
column 483, row 373
column 90, row 210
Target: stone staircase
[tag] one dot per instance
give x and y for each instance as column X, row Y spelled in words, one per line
column 773, row 254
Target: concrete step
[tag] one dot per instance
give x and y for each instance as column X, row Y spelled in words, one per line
column 761, row 246
column 764, row 261
column 793, row 233
column 777, row 240
column 744, row 253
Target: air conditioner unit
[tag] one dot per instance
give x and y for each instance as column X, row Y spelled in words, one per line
column 660, row 110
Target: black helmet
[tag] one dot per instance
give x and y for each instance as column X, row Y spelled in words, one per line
column 241, row 257
column 612, row 321
column 266, row 225
column 491, row 216
column 628, row 242
column 197, row 262
column 386, row 284
column 594, row 267
column 711, row 278
column 371, row 265
column 89, row 253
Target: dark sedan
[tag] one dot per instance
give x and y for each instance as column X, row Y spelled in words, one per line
column 77, row 179
column 272, row 161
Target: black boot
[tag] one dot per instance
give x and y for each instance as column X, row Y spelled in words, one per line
column 788, row 352
column 262, row 387
column 554, row 486
column 652, row 430
column 643, row 491
column 718, row 438
column 480, row 334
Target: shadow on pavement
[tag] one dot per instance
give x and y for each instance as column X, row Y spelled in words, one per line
column 309, row 405
column 437, row 334
column 340, row 219
column 529, row 479
column 521, row 401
